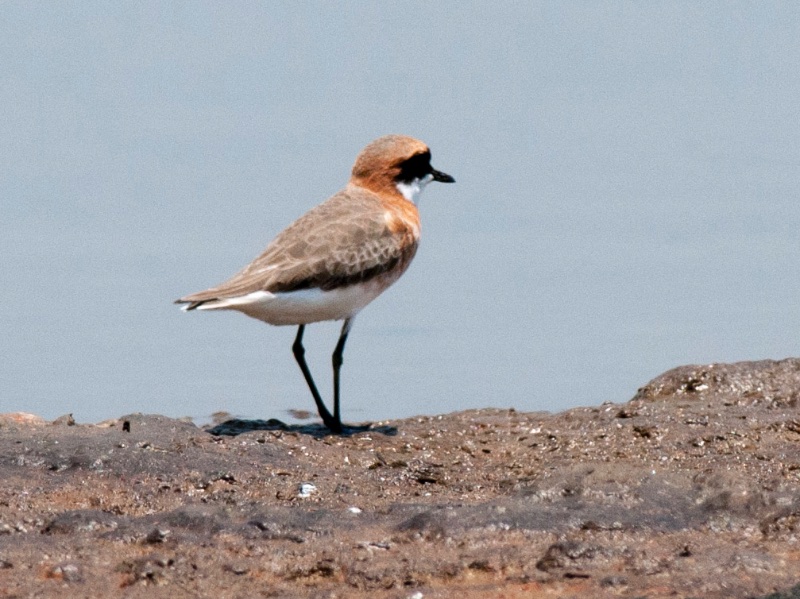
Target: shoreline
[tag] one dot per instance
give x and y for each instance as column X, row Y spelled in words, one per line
column 692, row 488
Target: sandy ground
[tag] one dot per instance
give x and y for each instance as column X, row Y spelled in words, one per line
column 688, row 490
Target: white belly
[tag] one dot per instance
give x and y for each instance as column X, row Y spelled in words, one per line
column 304, row 306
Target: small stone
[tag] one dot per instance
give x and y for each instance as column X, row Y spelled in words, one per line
column 65, row 420
column 613, row 581
column 157, row 535
column 306, row 490
column 238, row 569
column 65, row 572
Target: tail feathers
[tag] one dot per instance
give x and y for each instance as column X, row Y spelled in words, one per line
column 191, row 305
column 239, row 302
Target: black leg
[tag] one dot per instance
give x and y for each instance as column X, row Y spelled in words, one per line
column 337, row 366
column 333, row 423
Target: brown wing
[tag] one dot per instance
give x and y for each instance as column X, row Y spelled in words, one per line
column 345, row 240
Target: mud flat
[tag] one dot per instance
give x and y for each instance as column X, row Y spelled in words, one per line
column 691, row 489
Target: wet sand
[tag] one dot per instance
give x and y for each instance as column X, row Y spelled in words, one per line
column 691, row 489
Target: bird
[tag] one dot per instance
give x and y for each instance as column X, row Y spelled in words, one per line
column 337, row 257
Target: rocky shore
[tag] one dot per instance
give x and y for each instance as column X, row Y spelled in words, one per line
column 691, row 489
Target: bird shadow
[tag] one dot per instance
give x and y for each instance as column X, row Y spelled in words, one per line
column 237, row 426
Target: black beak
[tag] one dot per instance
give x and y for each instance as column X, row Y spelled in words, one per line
column 442, row 177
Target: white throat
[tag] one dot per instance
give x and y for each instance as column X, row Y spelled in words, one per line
column 413, row 188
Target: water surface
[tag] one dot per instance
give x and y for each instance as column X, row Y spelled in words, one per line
column 626, row 198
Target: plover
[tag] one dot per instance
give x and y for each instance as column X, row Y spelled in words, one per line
column 338, row 257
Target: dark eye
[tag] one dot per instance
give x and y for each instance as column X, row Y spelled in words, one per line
column 415, row 167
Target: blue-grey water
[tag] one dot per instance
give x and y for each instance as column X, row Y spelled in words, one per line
column 627, row 192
